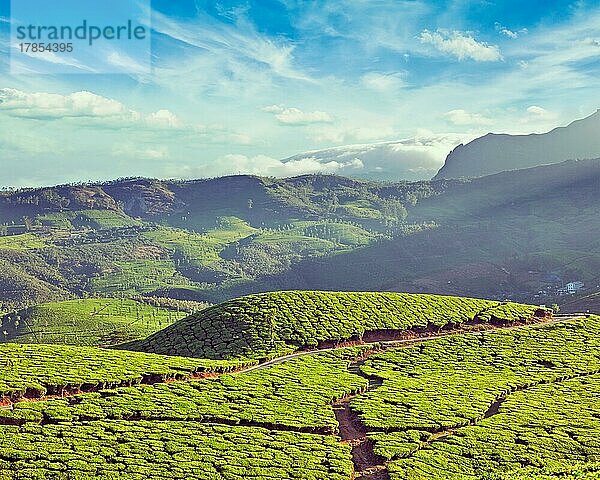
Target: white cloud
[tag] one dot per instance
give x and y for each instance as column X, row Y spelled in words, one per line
column 507, row 32
column 129, row 150
column 262, row 165
column 295, row 116
column 416, row 158
column 461, row 45
column 164, row 118
column 594, row 42
column 462, row 117
column 86, row 109
column 233, row 43
column 539, row 113
column 87, row 117
column 347, row 134
column 43, row 105
column 127, row 64
column 383, row 82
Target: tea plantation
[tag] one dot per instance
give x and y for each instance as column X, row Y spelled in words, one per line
column 271, row 324
column 168, row 450
column 38, row 370
column 88, row 322
column 489, row 405
column 275, row 423
column 475, row 404
column 296, row 395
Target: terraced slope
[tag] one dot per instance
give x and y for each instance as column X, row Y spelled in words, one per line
column 521, row 403
column 268, row 424
column 86, row 322
column 270, row 324
column 35, row 371
column 493, row 405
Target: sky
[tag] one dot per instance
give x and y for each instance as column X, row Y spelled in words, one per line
column 238, row 86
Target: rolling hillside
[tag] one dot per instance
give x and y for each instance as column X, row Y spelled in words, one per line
column 509, row 235
column 270, row 324
column 93, row 321
column 504, row 236
column 192, row 240
column 454, row 406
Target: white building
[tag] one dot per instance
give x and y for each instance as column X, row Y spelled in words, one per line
column 570, row 288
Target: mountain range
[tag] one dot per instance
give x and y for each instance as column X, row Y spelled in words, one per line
column 420, row 158
column 495, row 153
column 508, row 235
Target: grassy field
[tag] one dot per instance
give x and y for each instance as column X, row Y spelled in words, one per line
column 202, row 249
column 273, row 323
column 91, row 322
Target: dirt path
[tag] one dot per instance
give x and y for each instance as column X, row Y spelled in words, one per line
column 367, row 464
column 409, row 338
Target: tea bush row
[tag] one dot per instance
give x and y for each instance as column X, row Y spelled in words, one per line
column 37, row 370
column 167, row 450
column 271, row 324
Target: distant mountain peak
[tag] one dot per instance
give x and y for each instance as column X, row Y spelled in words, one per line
column 494, row 152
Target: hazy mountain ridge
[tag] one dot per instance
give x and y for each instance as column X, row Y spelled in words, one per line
column 494, row 153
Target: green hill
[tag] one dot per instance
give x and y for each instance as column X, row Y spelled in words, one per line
column 197, row 240
column 269, row 324
column 92, row 322
column 508, row 235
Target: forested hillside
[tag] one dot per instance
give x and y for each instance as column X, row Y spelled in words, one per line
column 509, row 235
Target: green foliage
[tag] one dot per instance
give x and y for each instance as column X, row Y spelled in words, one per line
column 91, row 322
column 94, row 219
column 139, row 276
column 267, row 324
column 203, row 240
column 24, row 241
column 490, row 405
column 167, row 450
column 37, row 370
column 294, row 395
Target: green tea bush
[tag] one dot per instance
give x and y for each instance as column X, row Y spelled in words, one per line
column 86, row 322
column 493, row 405
column 167, row 450
column 38, row 370
column 269, row 324
column 296, row 394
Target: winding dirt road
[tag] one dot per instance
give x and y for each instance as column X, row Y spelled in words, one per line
column 417, row 339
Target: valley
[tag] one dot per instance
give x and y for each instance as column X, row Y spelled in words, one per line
column 189, row 241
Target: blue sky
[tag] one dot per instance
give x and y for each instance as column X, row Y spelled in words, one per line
column 237, row 86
